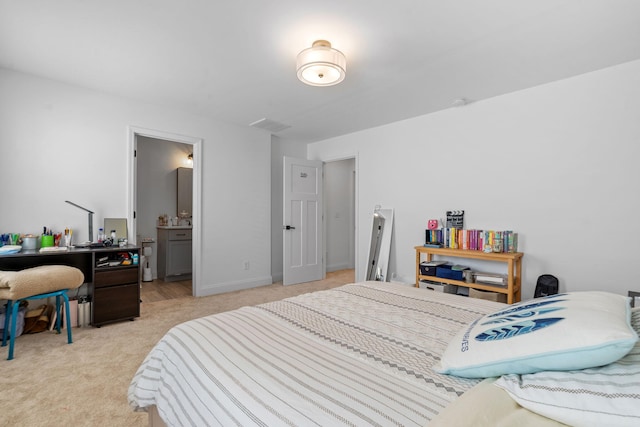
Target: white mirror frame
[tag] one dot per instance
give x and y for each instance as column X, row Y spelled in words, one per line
column 380, row 248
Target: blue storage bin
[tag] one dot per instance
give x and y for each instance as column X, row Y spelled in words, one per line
column 446, row 272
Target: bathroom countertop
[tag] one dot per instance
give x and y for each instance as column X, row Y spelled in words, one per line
column 175, row 227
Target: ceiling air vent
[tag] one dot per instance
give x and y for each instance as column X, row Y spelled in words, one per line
column 269, row 125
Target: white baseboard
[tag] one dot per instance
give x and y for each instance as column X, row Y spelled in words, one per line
column 220, row 288
column 337, row 267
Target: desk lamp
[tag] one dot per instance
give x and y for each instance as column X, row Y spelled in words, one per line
column 90, row 219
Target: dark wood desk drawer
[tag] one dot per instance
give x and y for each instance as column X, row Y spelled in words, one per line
column 115, row 276
column 115, row 303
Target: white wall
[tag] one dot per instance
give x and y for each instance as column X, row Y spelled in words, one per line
column 60, row 142
column 557, row 163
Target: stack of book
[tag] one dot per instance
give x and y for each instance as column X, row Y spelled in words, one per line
column 475, row 240
column 102, row 261
column 490, row 279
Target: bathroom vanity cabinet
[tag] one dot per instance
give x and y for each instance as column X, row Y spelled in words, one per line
column 174, row 253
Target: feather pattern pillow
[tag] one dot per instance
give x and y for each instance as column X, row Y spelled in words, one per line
column 567, row 331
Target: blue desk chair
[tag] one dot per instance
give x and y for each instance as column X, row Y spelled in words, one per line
column 36, row 283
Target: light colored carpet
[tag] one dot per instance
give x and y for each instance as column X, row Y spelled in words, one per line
column 51, row 383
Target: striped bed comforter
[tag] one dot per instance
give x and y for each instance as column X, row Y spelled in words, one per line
column 360, row 354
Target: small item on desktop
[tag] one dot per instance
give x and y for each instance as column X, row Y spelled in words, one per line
column 125, row 258
column 67, row 237
column 29, row 242
column 46, row 240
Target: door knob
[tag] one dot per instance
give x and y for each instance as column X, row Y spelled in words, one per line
column 288, row 227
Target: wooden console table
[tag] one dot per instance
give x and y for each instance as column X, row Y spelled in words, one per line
column 513, row 263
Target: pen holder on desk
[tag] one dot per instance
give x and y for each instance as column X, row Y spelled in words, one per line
column 46, row 241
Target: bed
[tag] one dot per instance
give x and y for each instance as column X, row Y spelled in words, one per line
column 360, row 354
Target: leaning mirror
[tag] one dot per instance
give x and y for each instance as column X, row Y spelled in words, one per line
column 185, row 192
column 380, row 248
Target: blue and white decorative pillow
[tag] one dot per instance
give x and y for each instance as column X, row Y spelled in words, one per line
column 561, row 332
column 605, row 396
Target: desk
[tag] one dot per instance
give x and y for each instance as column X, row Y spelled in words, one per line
column 114, row 290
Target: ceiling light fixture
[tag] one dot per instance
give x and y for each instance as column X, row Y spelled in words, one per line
column 321, row 65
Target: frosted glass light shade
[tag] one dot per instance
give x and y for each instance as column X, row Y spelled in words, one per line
column 321, row 65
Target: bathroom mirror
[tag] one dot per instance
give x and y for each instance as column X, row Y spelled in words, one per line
column 185, row 191
column 380, row 248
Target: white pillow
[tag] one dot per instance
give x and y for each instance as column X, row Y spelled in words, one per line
column 605, row 396
column 574, row 330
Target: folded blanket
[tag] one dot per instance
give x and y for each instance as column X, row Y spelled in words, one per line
column 38, row 280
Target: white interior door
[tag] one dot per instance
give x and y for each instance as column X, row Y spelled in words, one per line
column 302, row 221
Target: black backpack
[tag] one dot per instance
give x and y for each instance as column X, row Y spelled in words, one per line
column 546, row 285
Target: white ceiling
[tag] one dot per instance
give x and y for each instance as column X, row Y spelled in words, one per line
column 235, row 60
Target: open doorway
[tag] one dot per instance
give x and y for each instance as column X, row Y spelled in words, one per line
column 340, row 217
column 156, row 158
column 162, row 165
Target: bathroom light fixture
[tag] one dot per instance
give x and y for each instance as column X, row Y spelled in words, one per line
column 321, row 65
column 189, row 160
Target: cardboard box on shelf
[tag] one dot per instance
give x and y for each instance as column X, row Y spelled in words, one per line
column 488, row 295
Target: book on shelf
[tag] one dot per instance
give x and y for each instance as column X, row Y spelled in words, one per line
column 490, row 279
column 432, row 245
column 512, row 242
column 472, row 239
column 434, row 263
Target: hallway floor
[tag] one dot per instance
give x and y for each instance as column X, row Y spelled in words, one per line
column 159, row 290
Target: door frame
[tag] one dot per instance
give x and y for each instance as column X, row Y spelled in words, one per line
column 355, row 156
column 132, row 133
